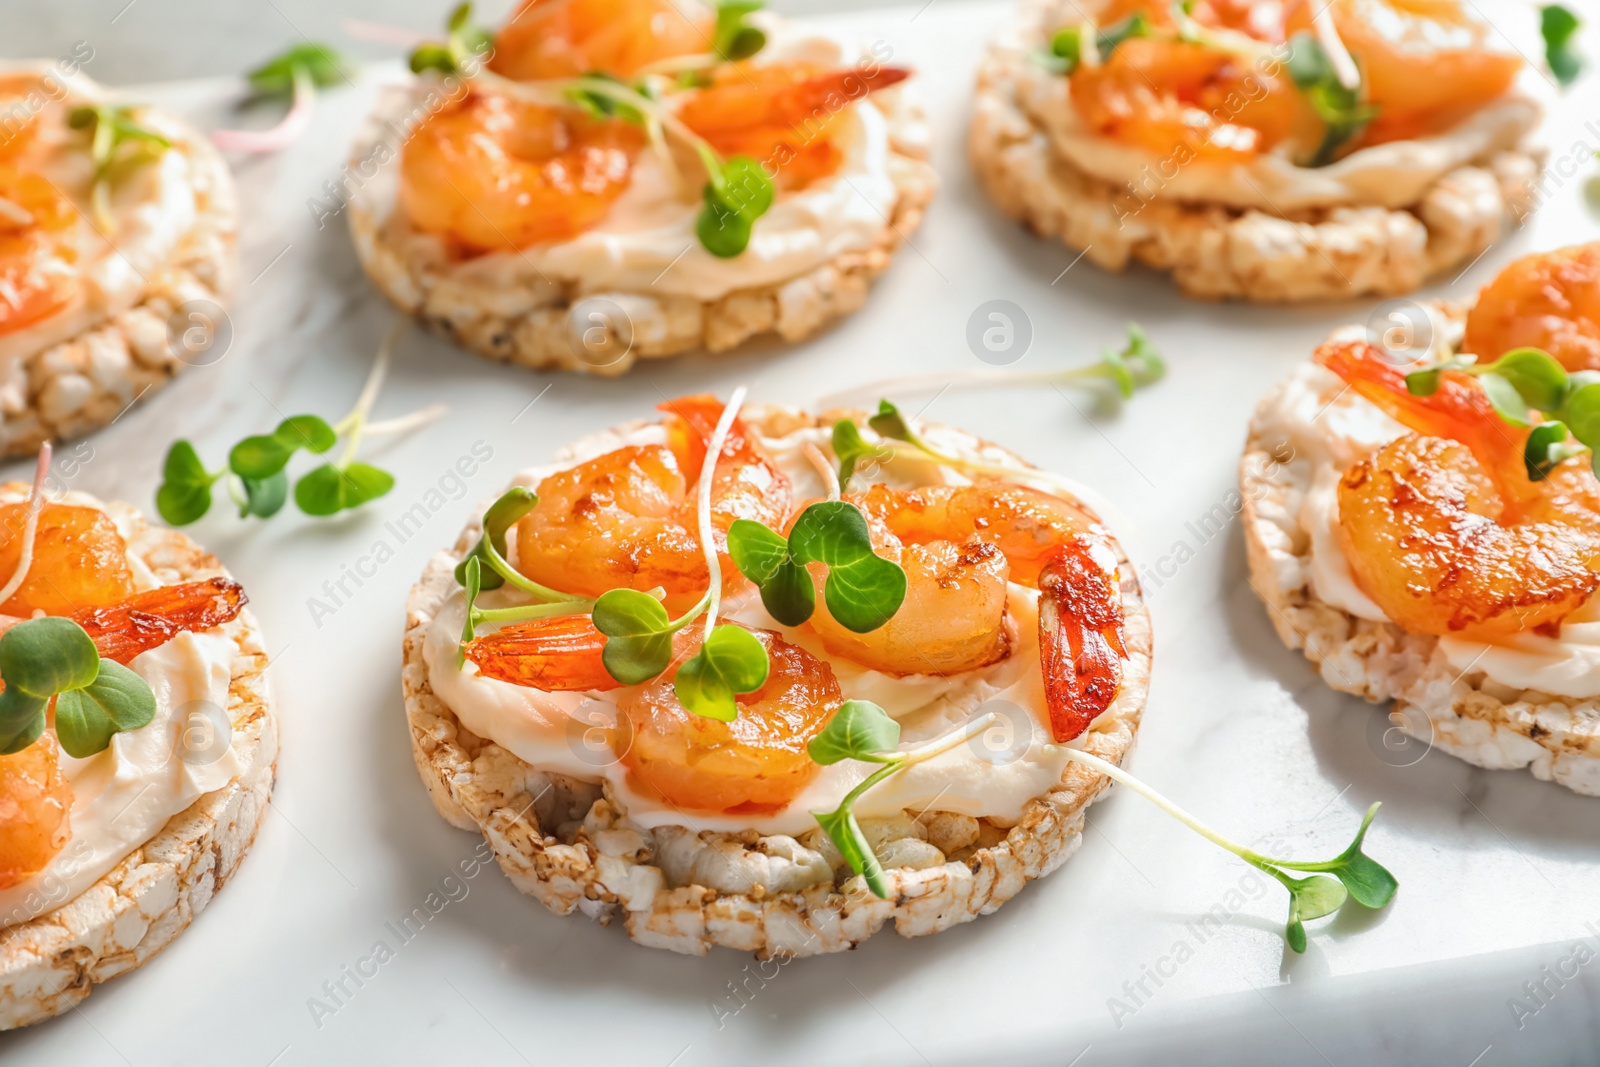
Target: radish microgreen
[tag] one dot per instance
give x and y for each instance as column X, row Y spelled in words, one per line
column 256, row 475
column 1529, row 387
column 863, row 590
column 294, row 75
column 1066, row 46
column 55, row 658
column 463, row 45
column 1559, row 26
column 112, row 129
column 1337, row 104
column 861, row 730
column 735, row 38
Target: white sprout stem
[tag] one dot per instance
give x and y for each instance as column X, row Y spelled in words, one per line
column 14, row 212
column 1344, row 65
column 1122, row 777
column 355, row 422
column 30, row 529
column 1088, row 45
column 289, row 130
column 708, row 472
column 933, row 383
column 940, row 746
column 678, row 64
column 405, row 423
column 830, row 476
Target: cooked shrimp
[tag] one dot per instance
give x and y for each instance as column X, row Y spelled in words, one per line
column 756, row 763
column 1426, row 64
column 626, row 519
column 19, row 114
column 1443, row 528
column 147, row 620
column 959, row 545
column 782, row 114
column 35, row 803
column 1550, row 300
column 39, row 252
column 494, row 173
column 560, row 654
column 80, row 560
column 568, row 38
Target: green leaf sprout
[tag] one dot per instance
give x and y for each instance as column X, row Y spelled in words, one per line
column 115, row 139
column 1338, row 105
column 1067, row 44
column 863, row 590
column 54, row 657
column 1558, row 26
column 1521, row 383
column 862, row 731
column 256, row 474
column 734, row 38
column 460, row 52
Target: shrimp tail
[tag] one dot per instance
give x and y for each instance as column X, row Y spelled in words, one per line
column 123, row 630
column 1459, row 410
column 1081, row 642
column 559, row 654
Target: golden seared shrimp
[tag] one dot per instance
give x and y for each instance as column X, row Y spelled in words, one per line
column 1549, row 300
column 626, row 519
column 494, row 173
column 959, row 545
column 1426, row 64
column 39, row 250
column 35, row 805
column 756, row 763
column 1443, row 528
column 568, row 38
column 781, row 114
column 80, row 560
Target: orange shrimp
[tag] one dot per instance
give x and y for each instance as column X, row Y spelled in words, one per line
column 568, row 38
column 627, row 519
column 150, row 619
column 783, row 115
column 495, row 174
column 1550, row 300
column 756, row 763
column 39, row 250
column 79, row 560
column 35, row 806
column 1426, row 64
column 959, row 545
column 21, row 105
column 1443, row 528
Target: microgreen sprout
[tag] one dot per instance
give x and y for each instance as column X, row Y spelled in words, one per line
column 1337, row 103
column 861, row 730
column 114, row 139
column 863, row 590
column 1066, row 46
column 460, row 52
column 256, row 475
column 1528, row 387
column 1114, row 377
column 295, row 75
column 734, row 37
column 1354, row 875
column 1559, row 26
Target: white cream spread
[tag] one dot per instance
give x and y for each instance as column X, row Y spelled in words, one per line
column 646, row 243
column 153, row 206
column 995, row 775
column 1330, row 427
column 1392, row 175
column 125, row 794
